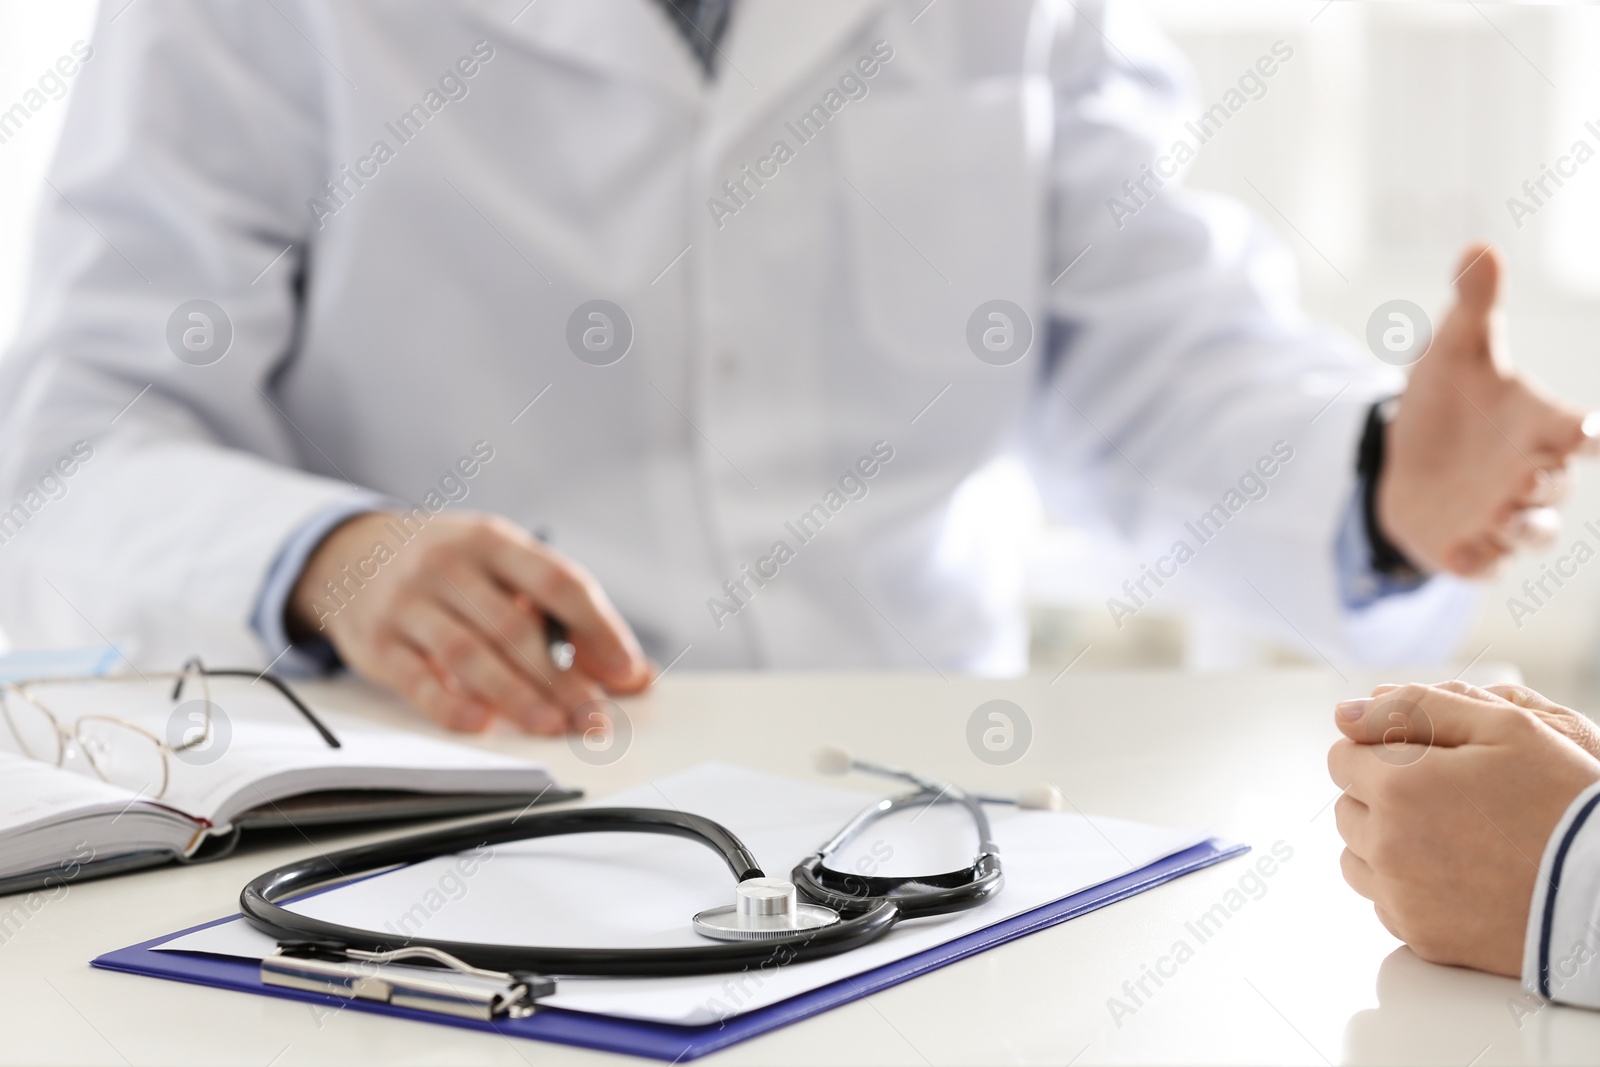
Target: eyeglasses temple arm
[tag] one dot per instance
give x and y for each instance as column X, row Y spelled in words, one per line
column 191, row 664
column 288, row 694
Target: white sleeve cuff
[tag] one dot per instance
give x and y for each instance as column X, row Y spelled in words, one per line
column 1561, row 955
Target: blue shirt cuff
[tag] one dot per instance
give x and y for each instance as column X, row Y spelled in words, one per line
column 1361, row 586
column 268, row 617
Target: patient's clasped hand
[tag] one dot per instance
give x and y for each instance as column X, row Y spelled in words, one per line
column 1465, row 813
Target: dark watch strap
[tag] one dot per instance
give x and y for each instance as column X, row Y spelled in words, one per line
column 1387, row 559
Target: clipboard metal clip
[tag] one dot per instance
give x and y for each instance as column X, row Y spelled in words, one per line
column 450, row 987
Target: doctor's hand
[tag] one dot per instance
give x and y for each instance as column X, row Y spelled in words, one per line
column 1478, row 456
column 1451, row 793
column 453, row 620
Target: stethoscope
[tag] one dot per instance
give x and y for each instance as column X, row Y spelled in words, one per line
column 817, row 913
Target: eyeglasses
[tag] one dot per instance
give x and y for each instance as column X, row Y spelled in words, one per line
column 120, row 752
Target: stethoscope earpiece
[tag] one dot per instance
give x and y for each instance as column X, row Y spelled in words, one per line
column 834, row 760
column 1041, row 796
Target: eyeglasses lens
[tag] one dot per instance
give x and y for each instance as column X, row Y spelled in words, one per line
column 29, row 729
column 123, row 755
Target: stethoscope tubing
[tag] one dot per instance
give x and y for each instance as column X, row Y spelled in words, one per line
column 260, row 900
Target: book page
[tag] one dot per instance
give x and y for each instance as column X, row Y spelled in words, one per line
column 50, row 816
column 34, row 793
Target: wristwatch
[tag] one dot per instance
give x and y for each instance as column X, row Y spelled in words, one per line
column 1387, row 559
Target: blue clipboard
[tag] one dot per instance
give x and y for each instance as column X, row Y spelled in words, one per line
column 664, row 1041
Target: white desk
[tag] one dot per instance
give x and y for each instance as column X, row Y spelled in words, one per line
column 1304, row 974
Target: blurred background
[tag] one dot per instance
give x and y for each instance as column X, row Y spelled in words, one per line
column 1393, row 138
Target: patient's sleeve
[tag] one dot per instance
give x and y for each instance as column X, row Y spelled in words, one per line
column 1561, row 957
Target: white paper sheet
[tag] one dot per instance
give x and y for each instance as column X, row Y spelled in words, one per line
column 635, row 890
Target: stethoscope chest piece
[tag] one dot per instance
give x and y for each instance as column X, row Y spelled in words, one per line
column 763, row 909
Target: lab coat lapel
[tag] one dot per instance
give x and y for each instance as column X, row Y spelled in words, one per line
column 630, row 40
column 772, row 45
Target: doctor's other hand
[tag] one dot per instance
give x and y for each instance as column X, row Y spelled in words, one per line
column 1478, row 456
column 453, row 620
column 1450, row 795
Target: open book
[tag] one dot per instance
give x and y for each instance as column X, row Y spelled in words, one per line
column 263, row 767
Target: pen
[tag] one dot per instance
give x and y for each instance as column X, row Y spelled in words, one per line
column 557, row 641
column 560, row 646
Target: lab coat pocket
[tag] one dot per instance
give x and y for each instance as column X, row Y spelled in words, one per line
column 944, row 211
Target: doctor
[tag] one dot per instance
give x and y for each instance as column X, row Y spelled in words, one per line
column 746, row 307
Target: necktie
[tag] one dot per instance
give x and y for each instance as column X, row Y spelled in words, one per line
column 701, row 22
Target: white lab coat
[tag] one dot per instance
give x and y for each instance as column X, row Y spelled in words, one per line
column 380, row 334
